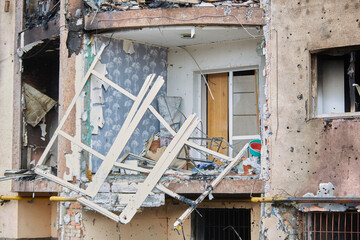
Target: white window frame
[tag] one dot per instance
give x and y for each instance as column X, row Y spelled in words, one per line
column 200, row 103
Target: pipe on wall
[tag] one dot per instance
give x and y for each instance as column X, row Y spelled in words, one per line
column 52, row 198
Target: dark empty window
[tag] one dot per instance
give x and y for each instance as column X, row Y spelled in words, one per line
column 331, row 226
column 40, row 80
column 221, row 224
column 336, row 80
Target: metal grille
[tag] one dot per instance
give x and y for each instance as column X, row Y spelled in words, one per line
column 331, row 226
column 224, row 224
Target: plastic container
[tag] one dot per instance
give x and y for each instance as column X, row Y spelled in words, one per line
column 255, row 147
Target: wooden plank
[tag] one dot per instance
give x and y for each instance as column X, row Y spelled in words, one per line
column 71, row 105
column 122, row 138
column 209, row 151
column 173, row 17
column 160, row 167
column 99, row 209
column 162, row 120
column 132, row 97
column 59, row 181
column 114, row 85
column 137, row 101
column 80, row 144
column 179, row 221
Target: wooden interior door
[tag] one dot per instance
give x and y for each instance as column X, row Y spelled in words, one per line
column 218, row 108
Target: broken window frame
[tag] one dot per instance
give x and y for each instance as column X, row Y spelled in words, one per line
column 141, row 104
column 313, row 72
column 202, row 105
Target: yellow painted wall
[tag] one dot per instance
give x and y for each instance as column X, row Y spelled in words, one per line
column 53, row 219
column 34, row 219
column 157, row 223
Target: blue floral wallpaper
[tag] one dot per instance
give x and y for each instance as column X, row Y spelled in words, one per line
column 128, row 71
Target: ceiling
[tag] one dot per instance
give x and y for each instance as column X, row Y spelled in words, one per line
column 174, row 36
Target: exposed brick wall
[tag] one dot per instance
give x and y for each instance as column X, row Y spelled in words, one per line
column 72, row 220
column 73, row 5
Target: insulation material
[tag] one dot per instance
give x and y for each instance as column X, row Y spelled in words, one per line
column 37, row 105
column 97, row 99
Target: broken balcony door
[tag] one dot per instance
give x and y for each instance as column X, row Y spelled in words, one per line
column 234, row 113
column 244, row 110
column 217, row 108
column 217, row 111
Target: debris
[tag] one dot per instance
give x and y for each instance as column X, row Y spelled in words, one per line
column 206, row 4
column 43, row 129
column 97, row 99
column 42, row 16
column 37, row 105
column 252, row 162
column 169, row 109
column 183, row 1
column 179, row 143
column 128, row 47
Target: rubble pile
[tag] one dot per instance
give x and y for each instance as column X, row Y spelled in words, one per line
column 123, row 5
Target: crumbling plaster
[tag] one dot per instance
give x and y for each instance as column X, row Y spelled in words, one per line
column 7, row 20
column 151, row 223
column 157, row 223
column 307, row 152
column 304, row 152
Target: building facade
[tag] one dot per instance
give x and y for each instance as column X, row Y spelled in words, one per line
column 284, row 73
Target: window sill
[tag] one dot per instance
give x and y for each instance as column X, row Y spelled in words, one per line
column 337, row 115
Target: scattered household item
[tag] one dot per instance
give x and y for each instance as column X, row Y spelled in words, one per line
column 255, row 147
column 251, row 166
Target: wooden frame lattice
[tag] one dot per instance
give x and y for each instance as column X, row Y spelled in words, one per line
column 142, row 103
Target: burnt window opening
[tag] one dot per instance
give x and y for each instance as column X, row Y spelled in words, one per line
column 221, row 224
column 336, row 80
column 331, row 225
column 40, row 94
column 40, row 12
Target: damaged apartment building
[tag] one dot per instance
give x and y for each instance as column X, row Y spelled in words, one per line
column 179, row 119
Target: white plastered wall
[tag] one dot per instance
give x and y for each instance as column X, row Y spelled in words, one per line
column 183, row 73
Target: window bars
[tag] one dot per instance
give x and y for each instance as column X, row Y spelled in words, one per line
column 331, row 225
